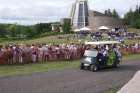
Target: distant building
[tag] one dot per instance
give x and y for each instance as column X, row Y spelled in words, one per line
column 56, row 27
column 81, row 16
column 97, row 19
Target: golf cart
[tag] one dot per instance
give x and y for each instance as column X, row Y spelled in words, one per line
column 93, row 60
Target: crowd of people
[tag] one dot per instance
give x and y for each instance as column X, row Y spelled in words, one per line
column 130, row 49
column 109, row 35
column 22, row 54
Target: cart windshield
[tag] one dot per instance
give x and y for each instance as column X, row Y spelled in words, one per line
column 91, row 53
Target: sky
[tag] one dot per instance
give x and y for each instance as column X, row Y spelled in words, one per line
column 35, row 11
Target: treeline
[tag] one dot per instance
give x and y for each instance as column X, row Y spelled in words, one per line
column 20, row 31
column 41, row 29
column 113, row 13
column 132, row 17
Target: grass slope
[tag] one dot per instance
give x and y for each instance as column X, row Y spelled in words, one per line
column 47, row 39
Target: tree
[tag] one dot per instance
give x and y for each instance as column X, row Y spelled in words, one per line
column 13, row 30
column 66, row 26
column 132, row 18
column 115, row 14
column 109, row 12
column 129, row 17
column 42, row 27
column 106, row 12
column 3, row 30
column 137, row 24
column 137, row 9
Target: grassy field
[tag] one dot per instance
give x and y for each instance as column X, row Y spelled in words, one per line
column 10, row 70
column 49, row 39
column 53, row 40
column 131, row 57
column 44, row 38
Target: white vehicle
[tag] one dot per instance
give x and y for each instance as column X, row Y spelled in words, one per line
column 94, row 61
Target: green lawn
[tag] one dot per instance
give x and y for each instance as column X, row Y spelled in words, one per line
column 47, row 39
column 33, row 68
column 131, row 57
column 9, row 70
column 53, row 40
column 131, row 41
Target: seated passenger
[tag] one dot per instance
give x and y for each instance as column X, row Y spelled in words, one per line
column 111, row 57
column 118, row 54
column 100, row 57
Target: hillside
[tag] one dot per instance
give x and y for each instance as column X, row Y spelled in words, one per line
column 56, row 39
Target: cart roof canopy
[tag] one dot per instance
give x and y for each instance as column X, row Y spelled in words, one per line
column 102, row 42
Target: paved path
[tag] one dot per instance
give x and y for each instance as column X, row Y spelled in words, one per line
column 70, row 80
column 133, row 85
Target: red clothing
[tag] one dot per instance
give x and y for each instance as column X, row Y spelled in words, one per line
column 2, row 61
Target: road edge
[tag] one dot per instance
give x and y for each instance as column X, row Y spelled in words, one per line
column 133, row 85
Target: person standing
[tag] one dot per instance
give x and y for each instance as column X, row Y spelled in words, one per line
column 57, row 48
column 34, row 54
column 1, row 56
column 45, row 53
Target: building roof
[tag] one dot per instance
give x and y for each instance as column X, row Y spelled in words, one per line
column 95, row 13
column 97, row 19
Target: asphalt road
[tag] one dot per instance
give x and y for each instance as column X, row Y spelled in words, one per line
column 70, row 80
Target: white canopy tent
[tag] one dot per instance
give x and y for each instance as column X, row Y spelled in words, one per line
column 77, row 30
column 103, row 28
column 85, row 29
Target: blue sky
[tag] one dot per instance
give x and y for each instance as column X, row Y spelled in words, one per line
column 35, row 11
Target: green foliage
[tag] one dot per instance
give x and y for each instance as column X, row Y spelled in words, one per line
column 132, row 18
column 3, row 30
column 137, row 24
column 34, row 68
column 113, row 13
column 49, row 34
column 42, row 27
column 66, row 26
column 13, row 30
column 20, row 31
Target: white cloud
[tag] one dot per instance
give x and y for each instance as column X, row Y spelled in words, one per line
column 33, row 11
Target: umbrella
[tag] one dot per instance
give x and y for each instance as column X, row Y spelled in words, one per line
column 85, row 29
column 103, row 28
column 77, row 30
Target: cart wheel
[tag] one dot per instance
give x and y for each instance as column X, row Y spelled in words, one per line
column 94, row 68
column 82, row 66
column 116, row 65
column 88, row 68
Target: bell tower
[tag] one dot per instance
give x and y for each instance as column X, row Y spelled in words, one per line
column 79, row 14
